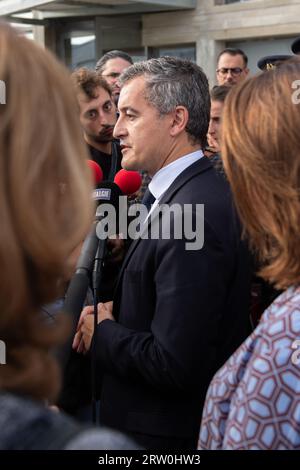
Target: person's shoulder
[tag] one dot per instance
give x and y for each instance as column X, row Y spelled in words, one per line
column 209, row 184
column 29, row 425
column 278, row 338
column 285, row 307
column 101, row 439
column 211, row 170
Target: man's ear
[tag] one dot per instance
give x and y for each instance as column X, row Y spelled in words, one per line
column 180, row 119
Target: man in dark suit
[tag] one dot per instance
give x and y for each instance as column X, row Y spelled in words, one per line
column 179, row 309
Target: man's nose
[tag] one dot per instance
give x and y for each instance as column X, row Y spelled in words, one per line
column 103, row 117
column 118, row 131
column 211, row 128
column 115, row 79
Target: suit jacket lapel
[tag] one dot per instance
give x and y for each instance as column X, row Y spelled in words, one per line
column 198, row 167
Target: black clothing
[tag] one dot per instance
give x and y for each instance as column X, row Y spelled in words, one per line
column 179, row 315
column 105, row 160
column 76, row 390
column 27, row 425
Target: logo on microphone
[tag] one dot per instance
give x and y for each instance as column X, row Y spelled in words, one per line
column 102, row 194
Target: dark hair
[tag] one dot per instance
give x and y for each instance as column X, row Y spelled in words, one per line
column 234, row 51
column 115, row 54
column 219, row 93
column 88, row 81
column 171, row 82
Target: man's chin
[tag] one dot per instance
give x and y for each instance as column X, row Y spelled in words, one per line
column 103, row 140
column 128, row 165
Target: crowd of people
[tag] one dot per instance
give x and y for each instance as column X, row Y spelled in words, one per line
column 179, row 363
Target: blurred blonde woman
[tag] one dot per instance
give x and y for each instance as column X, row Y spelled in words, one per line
column 254, row 401
column 45, row 212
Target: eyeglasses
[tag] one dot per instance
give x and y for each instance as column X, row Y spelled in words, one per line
column 235, row 71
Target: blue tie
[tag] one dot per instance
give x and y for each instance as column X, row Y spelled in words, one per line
column 148, row 199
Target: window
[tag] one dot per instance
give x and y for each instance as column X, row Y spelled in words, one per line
column 83, row 51
column 184, row 52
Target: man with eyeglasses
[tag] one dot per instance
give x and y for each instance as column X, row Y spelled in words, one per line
column 232, row 66
column 110, row 66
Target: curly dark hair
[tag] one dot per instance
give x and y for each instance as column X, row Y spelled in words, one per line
column 88, row 81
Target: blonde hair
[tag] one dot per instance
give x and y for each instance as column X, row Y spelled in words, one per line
column 45, row 207
column 261, row 154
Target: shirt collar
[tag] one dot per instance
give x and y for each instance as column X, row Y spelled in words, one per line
column 163, row 179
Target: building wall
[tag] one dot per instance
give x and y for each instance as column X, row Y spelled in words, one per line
column 211, row 27
column 260, row 27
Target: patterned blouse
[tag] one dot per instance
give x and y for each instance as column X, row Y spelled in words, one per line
column 253, row 401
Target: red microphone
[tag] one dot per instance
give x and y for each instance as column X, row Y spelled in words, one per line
column 129, row 182
column 96, row 171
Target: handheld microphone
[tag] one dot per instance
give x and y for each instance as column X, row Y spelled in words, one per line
column 108, row 193
column 96, row 171
column 126, row 183
column 92, row 254
column 79, row 284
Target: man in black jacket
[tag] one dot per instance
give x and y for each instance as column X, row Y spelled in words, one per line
column 98, row 116
column 181, row 307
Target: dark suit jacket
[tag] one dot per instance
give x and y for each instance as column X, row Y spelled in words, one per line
column 179, row 315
